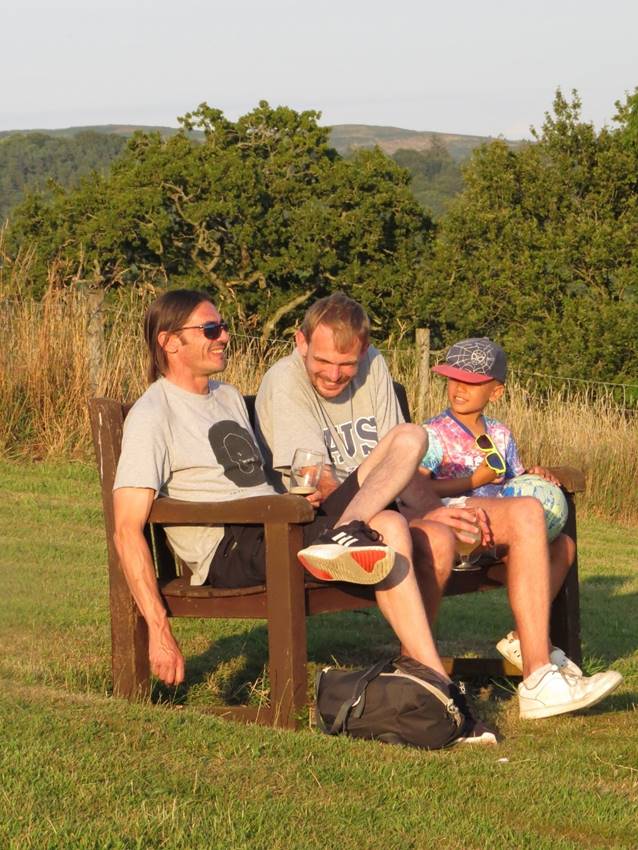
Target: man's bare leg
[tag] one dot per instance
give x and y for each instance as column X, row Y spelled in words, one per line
column 387, row 471
column 398, row 596
column 520, row 524
column 434, row 547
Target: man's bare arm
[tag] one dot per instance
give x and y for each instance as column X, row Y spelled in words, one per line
column 132, row 506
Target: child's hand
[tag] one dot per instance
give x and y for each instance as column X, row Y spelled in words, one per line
column 544, row 473
column 463, row 519
column 483, row 474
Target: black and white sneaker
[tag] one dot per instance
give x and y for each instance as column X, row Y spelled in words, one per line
column 474, row 731
column 353, row 552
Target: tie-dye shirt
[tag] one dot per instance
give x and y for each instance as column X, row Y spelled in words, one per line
column 453, row 453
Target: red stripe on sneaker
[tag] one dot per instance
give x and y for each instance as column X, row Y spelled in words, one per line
column 367, row 560
column 315, row 571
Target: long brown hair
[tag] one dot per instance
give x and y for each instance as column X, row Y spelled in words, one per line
column 168, row 313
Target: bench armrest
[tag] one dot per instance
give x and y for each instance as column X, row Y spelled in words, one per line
column 256, row 511
column 572, row 479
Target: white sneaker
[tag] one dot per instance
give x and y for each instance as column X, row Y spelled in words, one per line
column 510, row 649
column 558, row 692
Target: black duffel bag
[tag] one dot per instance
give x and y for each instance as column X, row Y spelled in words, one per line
column 399, row 701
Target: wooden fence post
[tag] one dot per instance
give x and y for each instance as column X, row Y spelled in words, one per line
column 423, row 370
column 95, row 337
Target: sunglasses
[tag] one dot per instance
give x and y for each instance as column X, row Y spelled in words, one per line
column 212, row 330
column 493, row 457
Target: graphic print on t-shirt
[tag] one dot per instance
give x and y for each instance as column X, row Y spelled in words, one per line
column 237, row 453
column 360, row 436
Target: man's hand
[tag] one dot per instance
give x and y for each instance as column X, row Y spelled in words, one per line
column 544, row 473
column 167, row 661
column 463, row 519
column 328, row 483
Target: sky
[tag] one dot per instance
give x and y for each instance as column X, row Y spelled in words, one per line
column 485, row 67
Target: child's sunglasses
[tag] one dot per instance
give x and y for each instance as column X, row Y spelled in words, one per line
column 212, row 330
column 493, row 457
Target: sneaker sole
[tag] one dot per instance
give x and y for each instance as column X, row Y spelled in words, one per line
column 503, row 648
column 586, row 702
column 485, row 739
column 333, row 562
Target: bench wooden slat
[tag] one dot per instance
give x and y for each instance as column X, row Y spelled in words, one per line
column 572, row 480
column 255, row 511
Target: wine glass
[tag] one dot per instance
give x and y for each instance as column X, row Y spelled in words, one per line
column 465, row 548
column 305, row 471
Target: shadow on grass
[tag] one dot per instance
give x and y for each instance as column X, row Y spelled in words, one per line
column 233, row 668
column 609, row 617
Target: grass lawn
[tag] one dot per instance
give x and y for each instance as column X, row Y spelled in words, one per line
column 81, row 770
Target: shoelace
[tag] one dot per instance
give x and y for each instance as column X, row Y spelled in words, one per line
column 372, row 533
column 570, row 678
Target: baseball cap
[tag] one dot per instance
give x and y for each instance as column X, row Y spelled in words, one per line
column 475, row 361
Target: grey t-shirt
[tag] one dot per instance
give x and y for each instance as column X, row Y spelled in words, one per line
column 291, row 415
column 192, row 447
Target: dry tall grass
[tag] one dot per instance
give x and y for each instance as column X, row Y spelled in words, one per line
column 45, row 381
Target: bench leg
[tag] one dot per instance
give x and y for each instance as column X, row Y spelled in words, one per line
column 129, row 641
column 565, row 613
column 286, row 624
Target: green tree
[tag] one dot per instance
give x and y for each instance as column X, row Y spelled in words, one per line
column 541, row 249
column 263, row 212
column 436, row 177
column 29, row 161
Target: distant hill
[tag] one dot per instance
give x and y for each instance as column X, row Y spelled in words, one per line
column 28, row 161
column 29, row 158
column 344, row 137
column 124, row 130
column 347, row 137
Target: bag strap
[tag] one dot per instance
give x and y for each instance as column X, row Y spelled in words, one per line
column 319, row 719
column 358, row 692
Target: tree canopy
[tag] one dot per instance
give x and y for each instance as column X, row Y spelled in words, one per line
column 263, row 212
column 29, row 161
column 436, row 177
column 540, row 251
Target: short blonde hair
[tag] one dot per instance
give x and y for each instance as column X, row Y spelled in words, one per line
column 345, row 317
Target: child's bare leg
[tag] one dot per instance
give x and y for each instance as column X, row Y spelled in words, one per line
column 562, row 552
column 520, row 525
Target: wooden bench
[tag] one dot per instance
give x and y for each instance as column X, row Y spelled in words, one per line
column 285, row 600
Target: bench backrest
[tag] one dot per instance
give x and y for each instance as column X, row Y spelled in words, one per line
column 107, row 423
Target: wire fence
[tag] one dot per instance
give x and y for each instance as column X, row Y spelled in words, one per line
column 416, row 358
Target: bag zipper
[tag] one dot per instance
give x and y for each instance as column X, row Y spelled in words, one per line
column 450, row 706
